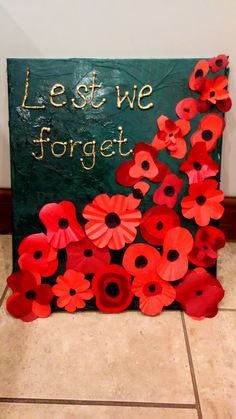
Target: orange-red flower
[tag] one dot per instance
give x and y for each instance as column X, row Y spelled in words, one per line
column 167, row 193
column 199, row 164
column 208, row 241
column 139, row 191
column 215, row 92
column 218, row 63
column 140, row 258
column 156, row 222
column 210, row 129
column 198, row 75
column 187, row 108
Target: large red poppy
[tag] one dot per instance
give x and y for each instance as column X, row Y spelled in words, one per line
column 156, row 222
column 61, row 224
column 187, row 108
column 218, row 63
column 140, row 258
column 198, row 75
column 167, row 193
column 208, row 241
column 215, row 92
column 210, row 129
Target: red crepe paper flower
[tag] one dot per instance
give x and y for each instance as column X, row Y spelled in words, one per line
column 139, row 191
column 210, row 129
column 173, row 263
column 199, row 294
column 112, row 289
column 72, row 289
column 153, row 293
column 199, row 164
column 61, row 224
column 208, row 241
column 30, row 298
column 187, row 108
column 85, row 257
column 203, row 202
column 111, row 223
column 170, row 136
column 198, row 75
column 215, row 92
column 140, row 258
column 167, row 193
column 156, row 222
column 37, row 255
column 218, row 63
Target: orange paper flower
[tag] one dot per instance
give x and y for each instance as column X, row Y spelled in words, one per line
column 140, row 258
column 198, row 75
column 209, row 131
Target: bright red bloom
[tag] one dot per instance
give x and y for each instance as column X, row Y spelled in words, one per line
column 198, row 75
column 173, row 263
column 112, row 289
column 203, row 202
column 30, row 298
column 199, row 294
column 85, row 257
column 208, row 241
column 72, row 289
column 140, row 258
column 37, row 255
column 215, row 91
column 187, row 108
column 167, row 193
column 139, row 191
column 199, row 164
column 218, row 63
column 61, row 224
column 156, row 222
column 111, row 223
column 210, row 129
column 153, row 293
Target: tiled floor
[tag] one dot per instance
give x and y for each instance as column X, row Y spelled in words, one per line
column 125, row 366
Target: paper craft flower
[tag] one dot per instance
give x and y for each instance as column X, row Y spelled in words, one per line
column 187, row 108
column 199, row 294
column 37, row 255
column 140, row 258
column 218, row 63
column 167, row 193
column 135, row 197
column 198, row 75
column 215, row 92
column 203, row 202
column 112, row 289
column 199, row 164
column 173, row 263
column 61, row 224
column 153, row 293
column 111, row 223
column 30, row 298
column 208, row 241
column 210, row 129
column 156, row 222
column 72, row 289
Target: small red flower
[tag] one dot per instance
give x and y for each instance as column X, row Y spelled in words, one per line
column 203, row 202
column 210, row 129
column 199, row 294
column 72, row 289
column 139, row 191
column 187, row 108
column 198, row 75
column 156, row 222
column 215, row 91
column 112, row 289
column 140, row 258
column 61, row 224
column 37, row 255
column 30, row 298
column 85, row 257
column 218, row 63
column 199, row 164
column 208, row 241
column 167, row 193
column 153, row 293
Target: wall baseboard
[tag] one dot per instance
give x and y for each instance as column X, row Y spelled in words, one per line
column 227, row 224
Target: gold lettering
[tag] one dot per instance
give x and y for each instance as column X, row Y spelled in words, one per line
column 72, row 146
column 126, row 96
column 91, row 153
column 61, row 143
column 106, row 145
column 27, row 81
column 122, row 141
column 40, row 142
column 84, row 103
column 142, row 94
column 93, row 87
column 57, row 90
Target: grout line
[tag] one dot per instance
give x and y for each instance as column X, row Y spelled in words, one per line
column 3, row 295
column 226, row 309
column 190, row 360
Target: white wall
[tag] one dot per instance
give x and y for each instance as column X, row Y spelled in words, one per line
column 119, row 28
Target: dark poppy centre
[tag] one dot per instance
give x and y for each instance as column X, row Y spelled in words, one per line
column 72, row 292
column 212, row 93
column 169, row 190
column 137, row 193
column 219, row 62
column 199, row 73
column 197, row 166
column 30, row 294
column 112, row 220
column 199, row 292
column 38, row 254
column 112, row 289
column 172, row 255
column 141, row 262
column 201, row 199
column 145, row 165
column 63, row 223
column 88, row 253
column 159, row 225
column 207, row 134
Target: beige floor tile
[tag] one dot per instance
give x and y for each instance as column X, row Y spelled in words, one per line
column 227, row 274
column 213, row 347
column 5, row 260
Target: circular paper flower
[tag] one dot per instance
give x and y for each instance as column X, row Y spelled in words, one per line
column 208, row 241
column 173, row 263
column 156, row 222
column 215, row 91
column 199, row 294
column 198, row 75
column 85, row 257
column 187, row 108
column 30, row 298
column 111, row 223
column 112, row 289
column 218, row 63
column 167, row 193
column 61, row 224
column 153, row 293
column 203, row 202
column 199, row 165
column 209, row 131
column 140, row 258
column 72, row 289
column 37, row 255
column 139, row 191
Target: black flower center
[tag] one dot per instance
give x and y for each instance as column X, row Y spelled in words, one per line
column 172, row 255
column 141, row 262
column 201, row 199
column 63, row 223
column 207, row 134
column 159, row 225
column 169, row 190
column 38, row 254
column 137, row 193
column 219, row 62
column 205, row 247
column 197, row 166
column 145, row 165
column 72, row 292
column 212, row 93
column 112, row 220
column 88, row 253
column 199, row 292
column 199, row 73
column 171, row 134
column 186, row 110
column 30, row 294
column 112, row 289
column 152, row 287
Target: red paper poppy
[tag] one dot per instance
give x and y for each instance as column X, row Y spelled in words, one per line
column 85, row 257
column 140, row 258
column 218, row 63
column 187, row 108
column 215, row 91
column 156, row 222
column 199, row 294
column 199, row 165
column 112, row 289
column 153, row 293
column 37, row 255
column 30, row 298
column 210, row 129
column 72, row 289
column 61, row 224
column 167, row 193
column 208, row 241
column 173, row 263
column 203, row 202
column 198, row 75
column 139, row 191
column 111, row 223
column 170, row 136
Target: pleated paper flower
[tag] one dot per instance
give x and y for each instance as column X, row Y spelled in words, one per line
column 140, row 258
column 156, row 222
column 167, row 193
column 199, row 164
column 218, row 63
column 208, row 241
column 187, row 108
column 197, row 78
column 135, row 197
column 210, row 129
column 215, row 92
